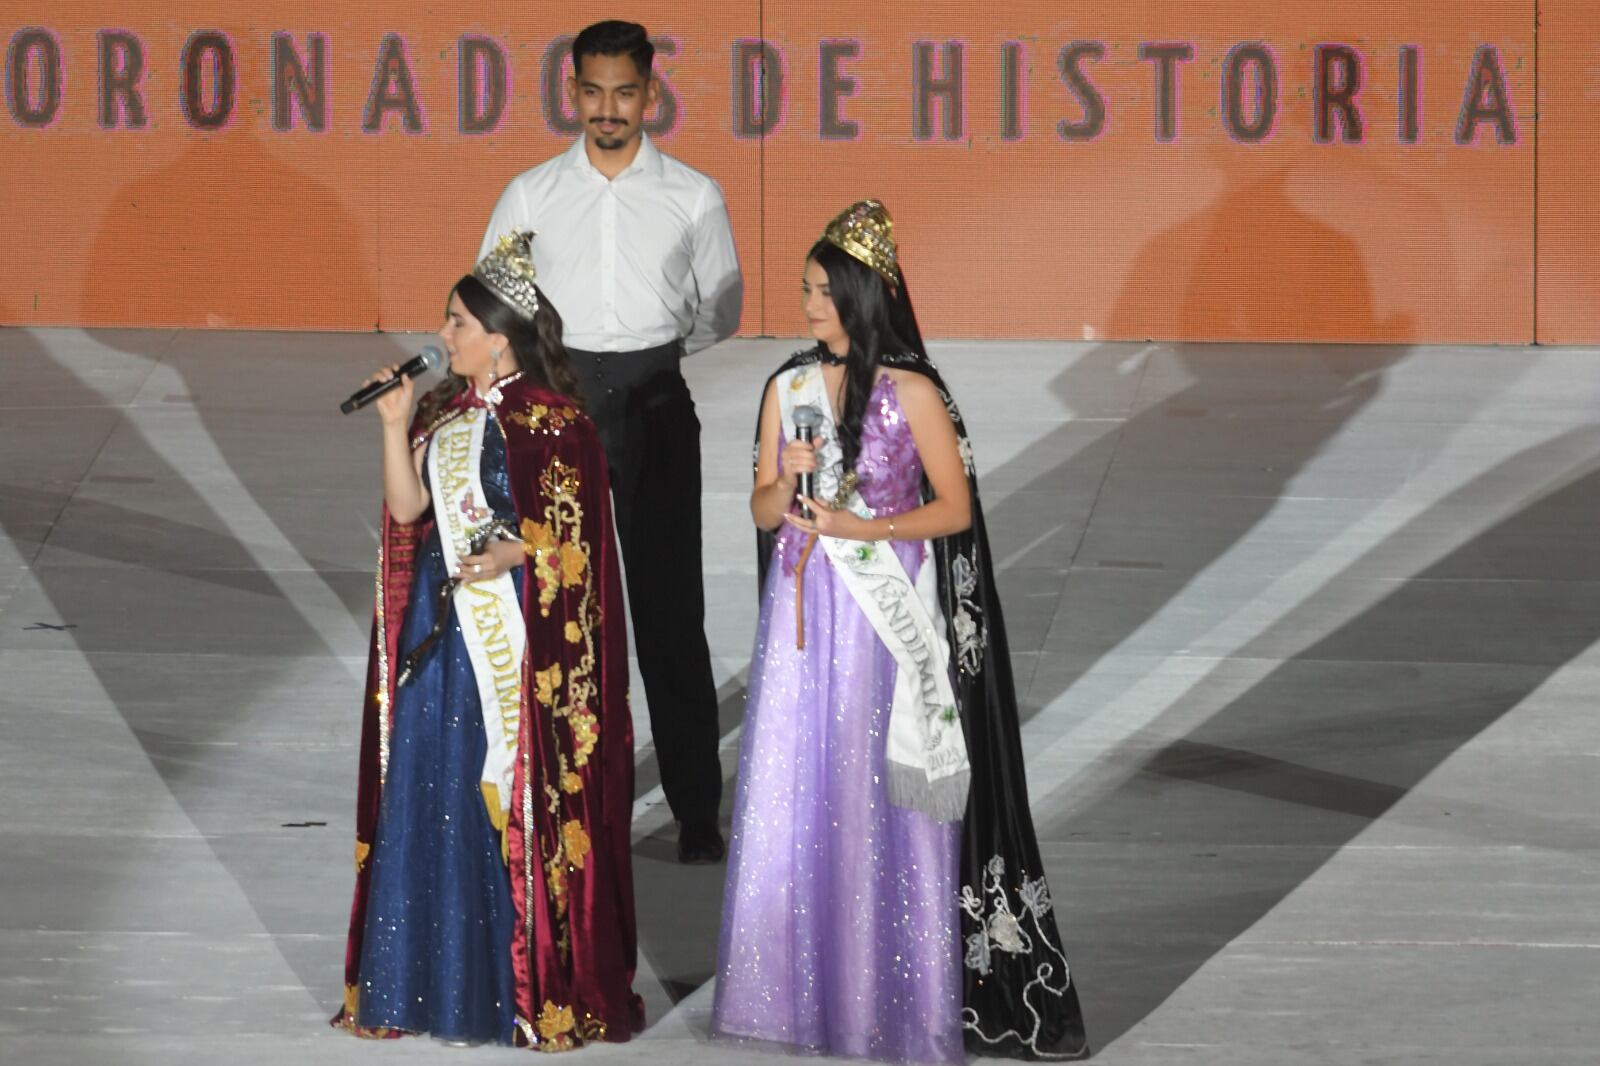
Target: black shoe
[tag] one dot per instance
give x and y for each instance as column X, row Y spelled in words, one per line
column 700, row 843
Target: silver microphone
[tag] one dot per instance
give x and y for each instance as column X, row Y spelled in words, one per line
column 806, row 420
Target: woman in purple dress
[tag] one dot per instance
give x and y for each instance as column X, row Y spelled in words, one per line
column 885, row 896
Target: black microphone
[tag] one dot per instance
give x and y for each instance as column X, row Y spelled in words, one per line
column 430, row 358
column 806, row 420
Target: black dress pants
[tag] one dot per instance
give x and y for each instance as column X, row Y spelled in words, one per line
column 642, row 408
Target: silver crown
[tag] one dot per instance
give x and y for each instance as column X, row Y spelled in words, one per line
column 509, row 274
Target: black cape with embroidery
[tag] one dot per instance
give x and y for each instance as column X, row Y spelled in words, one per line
column 1018, row 995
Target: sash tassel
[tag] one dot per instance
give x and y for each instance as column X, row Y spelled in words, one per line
column 944, row 799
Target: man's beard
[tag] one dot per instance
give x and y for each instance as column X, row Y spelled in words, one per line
column 610, row 142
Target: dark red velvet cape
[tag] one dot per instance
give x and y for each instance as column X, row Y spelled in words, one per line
column 574, row 943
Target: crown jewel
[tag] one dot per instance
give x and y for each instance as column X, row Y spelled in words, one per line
column 865, row 232
column 509, row 274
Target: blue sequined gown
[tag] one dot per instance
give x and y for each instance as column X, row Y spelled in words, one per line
column 840, row 920
column 436, row 953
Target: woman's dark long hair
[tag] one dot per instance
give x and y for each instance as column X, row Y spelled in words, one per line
column 879, row 321
column 535, row 346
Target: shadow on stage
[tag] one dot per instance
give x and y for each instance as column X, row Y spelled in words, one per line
column 1159, row 874
column 146, row 558
column 1220, row 826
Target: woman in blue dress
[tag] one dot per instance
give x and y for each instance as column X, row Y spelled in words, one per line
column 494, row 889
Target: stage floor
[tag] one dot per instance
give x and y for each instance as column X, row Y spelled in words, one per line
column 1306, row 637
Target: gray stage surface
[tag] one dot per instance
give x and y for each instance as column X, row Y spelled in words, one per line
column 1307, row 637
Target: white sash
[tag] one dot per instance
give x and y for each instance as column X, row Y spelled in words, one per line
column 490, row 617
column 927, row 766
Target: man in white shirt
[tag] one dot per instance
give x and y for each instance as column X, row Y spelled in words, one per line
column 636, row 253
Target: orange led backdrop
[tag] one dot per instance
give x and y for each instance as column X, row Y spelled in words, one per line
column 1350, row 171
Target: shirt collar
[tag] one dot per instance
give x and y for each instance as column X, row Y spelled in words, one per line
column 648, row 161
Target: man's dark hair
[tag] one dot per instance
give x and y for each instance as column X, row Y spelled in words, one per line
column 614, row 37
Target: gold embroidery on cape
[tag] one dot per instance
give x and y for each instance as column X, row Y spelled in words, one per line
column 546, row 682
column 363, row 849
column 556, row 878
column 561, row 561
column 540, row 418
column 584, row 735
column 561, row 482
column 556, row 1021
column 576, row 842
column 561, row 557
column 574, row 561
column 537, row 536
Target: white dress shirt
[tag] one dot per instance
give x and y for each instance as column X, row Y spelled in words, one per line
column 633, row 262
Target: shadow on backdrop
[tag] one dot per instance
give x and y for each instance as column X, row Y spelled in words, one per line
column 1186, row 476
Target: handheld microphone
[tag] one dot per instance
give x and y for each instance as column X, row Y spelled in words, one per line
column 430, row 358
column 806, row 420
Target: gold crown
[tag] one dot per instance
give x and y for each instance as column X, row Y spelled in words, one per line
column 509, row 274
column 865, row 232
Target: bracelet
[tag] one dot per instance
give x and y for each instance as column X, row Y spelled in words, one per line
column 891, row 528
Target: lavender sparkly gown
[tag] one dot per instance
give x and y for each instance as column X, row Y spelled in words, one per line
column 840, row 921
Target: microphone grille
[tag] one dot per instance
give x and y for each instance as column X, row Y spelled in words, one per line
column 432, row 357
column 807, row 416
